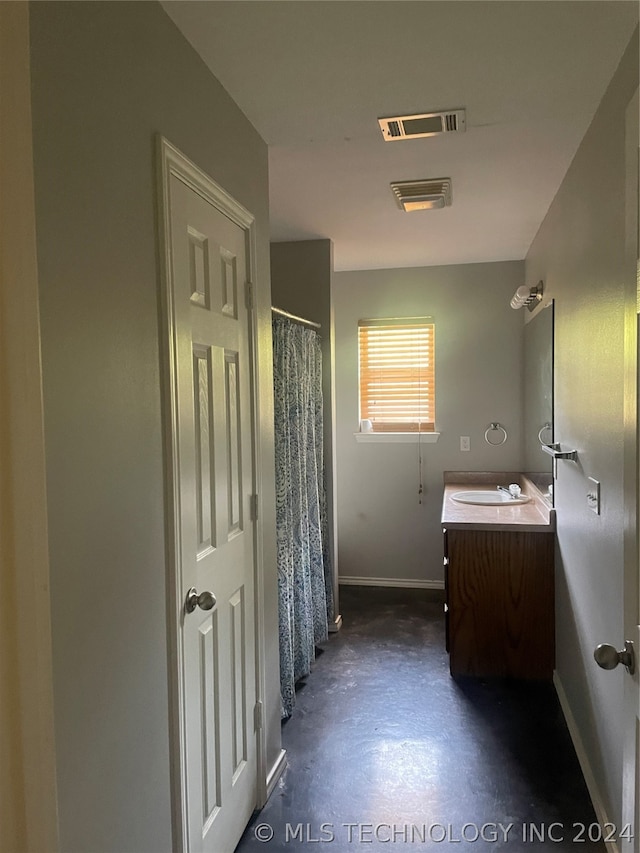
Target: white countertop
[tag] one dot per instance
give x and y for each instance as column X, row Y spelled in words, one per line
column 535, row 516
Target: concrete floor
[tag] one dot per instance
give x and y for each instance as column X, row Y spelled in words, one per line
column 386, row 752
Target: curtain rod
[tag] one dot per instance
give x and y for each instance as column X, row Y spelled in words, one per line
column 295, row 318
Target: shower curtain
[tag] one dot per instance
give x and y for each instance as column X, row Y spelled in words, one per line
column 304, row 571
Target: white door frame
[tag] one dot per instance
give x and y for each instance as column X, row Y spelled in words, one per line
column 171, row 161
column 631, row 615
column 28, row 781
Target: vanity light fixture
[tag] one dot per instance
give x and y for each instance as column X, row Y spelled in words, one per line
column 529, row 296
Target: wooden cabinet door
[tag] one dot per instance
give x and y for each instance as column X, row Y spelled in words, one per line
column 501, row 603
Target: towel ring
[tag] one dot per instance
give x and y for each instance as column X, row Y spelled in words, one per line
column 492, row 428
column 542, row 429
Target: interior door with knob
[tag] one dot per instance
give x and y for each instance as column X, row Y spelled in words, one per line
column 209, row 332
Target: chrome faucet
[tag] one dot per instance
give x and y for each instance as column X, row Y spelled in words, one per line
column 513, row 491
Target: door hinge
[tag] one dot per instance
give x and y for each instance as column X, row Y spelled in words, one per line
column 258, row 716
column 249, row 295
column 254, row 507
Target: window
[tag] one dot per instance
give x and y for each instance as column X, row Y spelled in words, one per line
column 397, row 374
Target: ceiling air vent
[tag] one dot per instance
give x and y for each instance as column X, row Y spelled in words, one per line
column 422, row 195
column 422, row 124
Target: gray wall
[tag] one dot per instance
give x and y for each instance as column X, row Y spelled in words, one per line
column 301, row 279
column 580, row 253
column 383, row 532
column 106, row 78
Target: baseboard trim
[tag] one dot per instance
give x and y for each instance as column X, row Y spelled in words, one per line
column 335, row 626
column 587, row 772
column 276, row 771
column 401, row 583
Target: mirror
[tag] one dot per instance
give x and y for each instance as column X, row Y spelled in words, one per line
column 538, row 397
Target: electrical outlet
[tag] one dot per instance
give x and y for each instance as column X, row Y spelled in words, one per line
column 593, row 495
column 465, row 442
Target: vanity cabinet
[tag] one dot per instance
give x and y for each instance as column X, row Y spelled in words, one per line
column 499, row 608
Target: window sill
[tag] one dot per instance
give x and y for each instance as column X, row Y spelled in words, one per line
column 396, row 437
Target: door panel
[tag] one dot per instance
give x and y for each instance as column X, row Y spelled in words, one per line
column 213, row 477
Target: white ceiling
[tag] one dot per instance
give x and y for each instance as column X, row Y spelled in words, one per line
column 313, row 77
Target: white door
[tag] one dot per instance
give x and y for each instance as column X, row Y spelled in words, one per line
column 212, row 479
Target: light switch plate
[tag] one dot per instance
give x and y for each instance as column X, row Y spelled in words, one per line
column 593, row 495
column 465, row 442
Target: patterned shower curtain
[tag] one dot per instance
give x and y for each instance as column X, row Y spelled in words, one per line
column 304, row 571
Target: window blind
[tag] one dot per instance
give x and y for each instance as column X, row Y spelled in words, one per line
column 397, row 374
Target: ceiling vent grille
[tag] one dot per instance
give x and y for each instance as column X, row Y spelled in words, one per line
column 422, row 124
column 428, row 194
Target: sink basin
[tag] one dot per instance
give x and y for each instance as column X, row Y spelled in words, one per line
column 488, row 498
